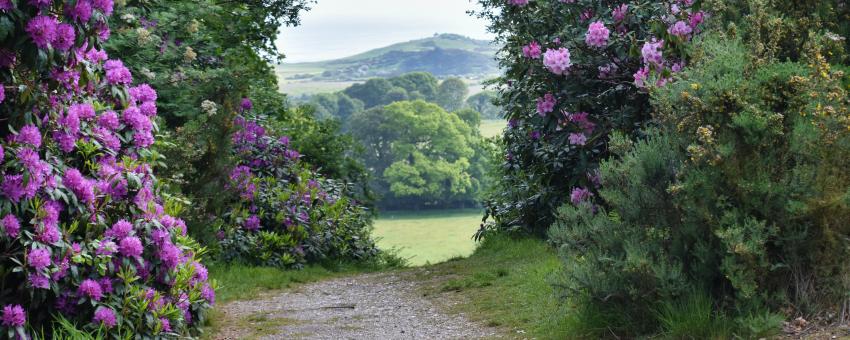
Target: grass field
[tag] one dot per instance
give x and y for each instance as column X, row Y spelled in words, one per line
column 492, row 127
column 428, row 237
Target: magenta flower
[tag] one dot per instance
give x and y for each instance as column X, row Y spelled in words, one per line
column 207, row 293
column 38, row 281
column 81, row 11
column 519, row 3
column 82, row 187
column 580, row 195
column 641, row 76
column 532, row 50
column 130, row 246
column 169, row 254
column 29, row 134
column 11, row 225
column 2, row 94
column 680, row 29
column 166, row 324
column 620, row 12
column 119, row 230
column 578, row 139
column 546, row 104
column 143, row 93
column 104, row 316
column 247, row 105
column 91, row 289
column 597, row 35
column 42, row 30
column 557, row 60
column 65, row 37
column 14, row 316
column 652, row 52
column 252, row 223
column 105, row 6
column 39, row 258
column 116, row 73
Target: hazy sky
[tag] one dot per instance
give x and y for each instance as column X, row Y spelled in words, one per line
column 340, row 28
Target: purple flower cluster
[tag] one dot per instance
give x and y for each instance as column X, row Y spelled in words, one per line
column 108, row 191
column 546, row 104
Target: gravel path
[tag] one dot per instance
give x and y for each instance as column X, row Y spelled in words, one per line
column 371, row 306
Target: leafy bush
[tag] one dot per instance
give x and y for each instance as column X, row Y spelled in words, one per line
column 740, row 195
column 575, row 71
column 284, row 214
column 87, row 239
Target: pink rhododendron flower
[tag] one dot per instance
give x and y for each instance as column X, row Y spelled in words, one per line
column 130, row 247
column 641, row 76
column 597, row 35
column 557, row 60
column 579, row 195
column 14, row 316
column 680, row 29
column 11, row 226
column 91, row 289
column 652, row 52
column 620, row 12
column 578, row 139
column 532, row 50
column 546, row 104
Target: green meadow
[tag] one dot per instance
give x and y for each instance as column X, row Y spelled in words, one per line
column 428, row 237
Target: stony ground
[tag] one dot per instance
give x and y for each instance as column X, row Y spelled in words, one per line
column 373, row 306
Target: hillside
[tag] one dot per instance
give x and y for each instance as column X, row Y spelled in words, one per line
column 442, row 55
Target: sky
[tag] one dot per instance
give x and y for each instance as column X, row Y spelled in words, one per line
column 339, row 28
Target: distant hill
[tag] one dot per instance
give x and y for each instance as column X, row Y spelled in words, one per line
column 442, row 55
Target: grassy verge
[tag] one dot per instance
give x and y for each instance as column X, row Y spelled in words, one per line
column 505, row 284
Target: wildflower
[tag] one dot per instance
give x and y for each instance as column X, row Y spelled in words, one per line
column 104, row 316
column 557, row 60
column 597, row 35
column 39, row 258
column 14, row 316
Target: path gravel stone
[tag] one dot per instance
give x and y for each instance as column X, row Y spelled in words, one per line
column 371, row 306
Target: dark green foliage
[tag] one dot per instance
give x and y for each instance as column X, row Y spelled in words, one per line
column 739, row 194
column 372, row 93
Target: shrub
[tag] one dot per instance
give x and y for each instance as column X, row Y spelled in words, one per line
column 86, row 236
column 282, row 213
column 575, row 71
column 738, row 195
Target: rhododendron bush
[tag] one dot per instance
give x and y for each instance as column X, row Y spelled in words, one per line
column 282, row 212
column 575, row 71
column 85, row 234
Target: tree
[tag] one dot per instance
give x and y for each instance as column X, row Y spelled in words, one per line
column 419, row 85
column 422, row 151
column 451, row 94
column 396, row 94
column 372, row 92
column 470, row 117
column 485, row 103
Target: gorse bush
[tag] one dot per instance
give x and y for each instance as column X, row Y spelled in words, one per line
column 86, row 237
column 575, row 71
column 282, row 212
column 740, row 194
